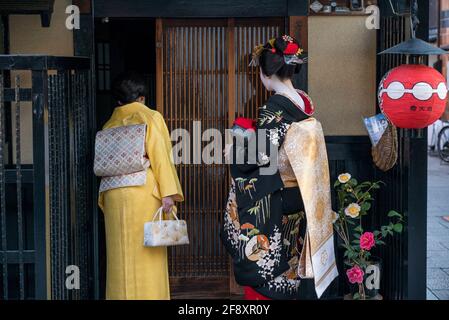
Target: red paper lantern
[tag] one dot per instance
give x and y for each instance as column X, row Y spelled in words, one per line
column 413, row 96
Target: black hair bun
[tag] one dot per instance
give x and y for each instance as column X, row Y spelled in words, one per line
column 128, row 87
column 272, row 60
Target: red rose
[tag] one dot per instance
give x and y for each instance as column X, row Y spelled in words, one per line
column 367, row 241
column 355, row 274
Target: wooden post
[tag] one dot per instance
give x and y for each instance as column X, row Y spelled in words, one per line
column 298, row 29
column 159, row 67
column 234, row 288
column 231, row 70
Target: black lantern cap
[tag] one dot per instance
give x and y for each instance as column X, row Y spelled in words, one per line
column 414, row 46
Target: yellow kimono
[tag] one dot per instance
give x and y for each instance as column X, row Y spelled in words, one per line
column 135, row 271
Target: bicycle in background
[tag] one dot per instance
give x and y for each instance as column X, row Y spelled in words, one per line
column 442, row 142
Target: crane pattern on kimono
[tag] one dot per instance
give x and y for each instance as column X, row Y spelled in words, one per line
column 248, row 243
column 246, row 239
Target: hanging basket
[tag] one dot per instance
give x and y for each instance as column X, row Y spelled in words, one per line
column 385, row 153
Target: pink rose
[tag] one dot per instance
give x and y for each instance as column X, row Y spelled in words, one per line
column 355, row 274
column 367, row 241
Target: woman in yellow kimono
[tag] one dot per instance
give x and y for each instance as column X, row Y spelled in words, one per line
column 135, row 271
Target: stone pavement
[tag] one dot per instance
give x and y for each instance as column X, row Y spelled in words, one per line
column 437, row 230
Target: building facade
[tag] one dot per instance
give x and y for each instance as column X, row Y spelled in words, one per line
column 195, row 57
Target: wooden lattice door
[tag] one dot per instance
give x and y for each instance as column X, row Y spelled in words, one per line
column 203, row 82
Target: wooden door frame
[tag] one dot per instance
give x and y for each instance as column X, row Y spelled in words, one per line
column 198, row 9
column 230, row 23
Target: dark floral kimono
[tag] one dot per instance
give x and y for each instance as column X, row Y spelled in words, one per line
column 264, row 223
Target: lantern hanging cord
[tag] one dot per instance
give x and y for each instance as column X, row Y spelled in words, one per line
column 414, row 21
column 394, row 11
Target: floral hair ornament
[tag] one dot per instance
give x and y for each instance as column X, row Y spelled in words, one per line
column 291, row 53
column 257, row 52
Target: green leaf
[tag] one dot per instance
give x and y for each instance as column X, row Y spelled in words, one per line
column 356, row 241
column 376, row 233
column 353, row 182
column 393, row 213
column 350, row 221
column 358, row 229
column 337, row 183
column 356, row 296
column 357, row 235
column 366, row 206
column 365, row 184
column 352, row 255
column 397, row 227
column 348, row 263
column 341, row 197
column 380, row 242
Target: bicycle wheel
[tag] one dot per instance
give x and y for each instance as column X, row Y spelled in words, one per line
column 443, row 144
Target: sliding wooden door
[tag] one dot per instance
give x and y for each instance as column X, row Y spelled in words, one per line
column 203, row 82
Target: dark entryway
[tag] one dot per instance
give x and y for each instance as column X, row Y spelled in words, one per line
column 123, row 45
column 120, row 45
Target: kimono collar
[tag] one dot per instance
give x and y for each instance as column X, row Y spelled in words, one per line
column 309, row 108
column 129, row 108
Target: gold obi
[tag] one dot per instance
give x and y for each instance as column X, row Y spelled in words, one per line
column 285, row 169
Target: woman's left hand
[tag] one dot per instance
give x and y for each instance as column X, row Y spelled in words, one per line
column 227, row 150
column 167, row 204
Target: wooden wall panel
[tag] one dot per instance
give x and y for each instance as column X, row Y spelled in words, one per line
column 342, row 72
column 249, row 90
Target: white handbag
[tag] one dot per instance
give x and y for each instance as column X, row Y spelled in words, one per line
column 162, row 233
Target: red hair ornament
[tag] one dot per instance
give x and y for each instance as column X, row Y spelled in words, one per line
column 291, row 49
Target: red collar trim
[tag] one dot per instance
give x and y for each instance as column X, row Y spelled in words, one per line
column 309, row 108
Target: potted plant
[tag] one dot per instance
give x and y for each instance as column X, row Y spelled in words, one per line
column 354, row 203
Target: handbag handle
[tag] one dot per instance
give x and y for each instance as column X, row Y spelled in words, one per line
column 159, row 214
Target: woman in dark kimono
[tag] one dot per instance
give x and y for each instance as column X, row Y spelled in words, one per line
column 264, row 224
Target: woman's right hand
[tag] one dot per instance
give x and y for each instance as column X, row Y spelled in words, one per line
column 167, row 204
